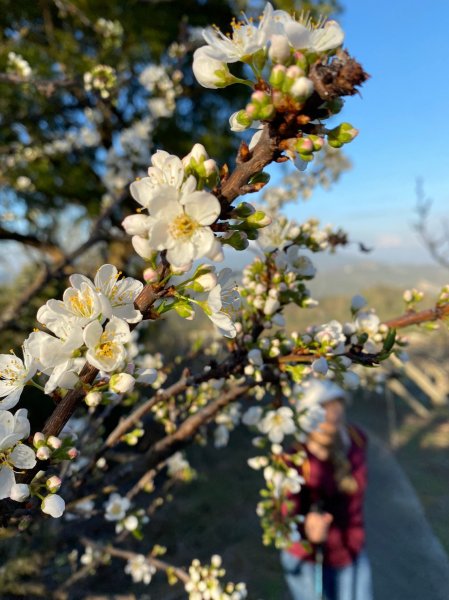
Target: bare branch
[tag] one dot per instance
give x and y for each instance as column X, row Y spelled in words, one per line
column 48, row 273
column 171, row 443
column 160, row 565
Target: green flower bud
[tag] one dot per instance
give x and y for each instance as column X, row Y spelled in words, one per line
column 301, row 61
column 277, row 76
column 304, row 145
column 243, row 210
column 343, row 134
column 317, row 141
column 267, row 113
column 240, row 121
column 184, row 310
column 291, row 75
column 236, row 239
column 258, row 219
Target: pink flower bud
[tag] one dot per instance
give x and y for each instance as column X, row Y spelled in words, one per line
column 304, row 145
column 294, row 72
column 93, row 399
column 251, row 110
column 43, row 453
column 72, row 453
column 258, row 96
column 210, row 167
column 54, row 442
column 150, row 275
column 53, row 484
column 38, row 439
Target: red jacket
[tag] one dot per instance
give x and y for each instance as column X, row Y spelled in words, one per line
column 346, row 535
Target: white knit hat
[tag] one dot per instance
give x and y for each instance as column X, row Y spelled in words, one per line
column 321, row 391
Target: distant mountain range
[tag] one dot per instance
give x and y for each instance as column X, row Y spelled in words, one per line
column 345, row 274
column 340, row 275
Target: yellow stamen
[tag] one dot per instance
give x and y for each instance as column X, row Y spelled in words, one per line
column 183, row 226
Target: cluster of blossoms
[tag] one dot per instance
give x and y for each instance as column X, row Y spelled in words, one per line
column 178, row 467
column 140, row 569
column 111, row 31
column 117, row 509
column 21, row 155
column 268, row 285
column 164, row 87
column 17, row 65
column 91, row 323
column 102, row 79
column 205, row 582
column 179, row 216
column 282, row 51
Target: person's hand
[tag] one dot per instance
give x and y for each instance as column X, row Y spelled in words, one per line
column 316, row 526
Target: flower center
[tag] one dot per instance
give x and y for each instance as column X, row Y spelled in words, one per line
column 82, row 305
column 106, row 349
column 183, row 226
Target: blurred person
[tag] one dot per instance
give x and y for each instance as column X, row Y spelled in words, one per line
column 330, row 561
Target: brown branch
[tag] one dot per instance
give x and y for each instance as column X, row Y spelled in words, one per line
column 67, row 405
column 30, row 240
column 145, row 408
column 170, row 443
column 416, row 318
column 263, row 154
column 46, row 86
column 160, row 565
column 12, row 312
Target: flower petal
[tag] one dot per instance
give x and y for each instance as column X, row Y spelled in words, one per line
column 92, row 334
column 203, row 240
column 203, row 207
column 23, row 457
column 7, row 480
column 181, row 253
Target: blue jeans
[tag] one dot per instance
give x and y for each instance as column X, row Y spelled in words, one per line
column 345, row 583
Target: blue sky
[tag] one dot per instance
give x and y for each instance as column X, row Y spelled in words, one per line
column 402, row 116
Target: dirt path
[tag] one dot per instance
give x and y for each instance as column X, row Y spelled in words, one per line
column 408, row 561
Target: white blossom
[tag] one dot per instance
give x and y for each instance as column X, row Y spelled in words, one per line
column 15, row 455
column 165, row 169
column 277, row 424
column 120, row 292
column 298, row 263
column 14, row 375
column 179, row 220
column 367, row 322
column 222, row 304
column 106, row 350
column 116, row 507
column 283, row 483
column 331, row 334
column 140, row 569
column 246, row 39
column 304, row 34
column 176, row 464
column 56, row 354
